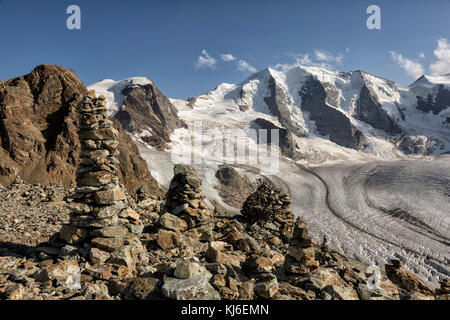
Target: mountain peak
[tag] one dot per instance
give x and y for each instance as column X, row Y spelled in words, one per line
column 429, row 81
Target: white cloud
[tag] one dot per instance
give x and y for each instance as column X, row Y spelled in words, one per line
column 245, row 66
column 347, row 50
column 227, row 57
column 320, row 58
column 422, row 55
column 328, row 57
column 299, row 60
column 205, row 61
column 442, row 65
column 412, row 68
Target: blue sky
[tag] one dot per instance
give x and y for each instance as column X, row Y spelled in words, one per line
column 162, row 40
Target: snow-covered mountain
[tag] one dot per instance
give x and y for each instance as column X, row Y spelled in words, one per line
column 141, row 108
column 353, row 110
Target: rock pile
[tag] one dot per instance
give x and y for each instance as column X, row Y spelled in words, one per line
column 405, row 280
column 301, row 257
column 101, row 223
column 268, row 214
column 185, row 217
column 185, row 199
column 214, row 259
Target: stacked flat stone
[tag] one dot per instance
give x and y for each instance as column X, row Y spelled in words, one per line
column 268, row 213
column 185, row 199
column 101, row 222
column 301, row 257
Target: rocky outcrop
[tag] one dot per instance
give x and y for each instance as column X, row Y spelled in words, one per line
column 406, row 280
column 286, row 141
column 420, row 145
column 277, row 103
column 38, row 131
column 436, row 104
column 369, row 110
column 234, row 188
column 329, row 121
column 149, row 114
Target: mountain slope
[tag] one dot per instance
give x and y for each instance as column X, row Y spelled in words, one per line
column 141, row 108
column 38, row 131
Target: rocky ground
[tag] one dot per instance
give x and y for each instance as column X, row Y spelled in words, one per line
column 190, row 254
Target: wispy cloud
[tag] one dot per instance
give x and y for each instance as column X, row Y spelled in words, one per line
column 421, row 55
column 204, row 60
column 245, row 66
column 442, row 65
column 325, row 56
column 412, row 68
column 227, row 57
column 320, row 58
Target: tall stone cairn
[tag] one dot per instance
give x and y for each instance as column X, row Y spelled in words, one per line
column 102, row 224
column 268, row 213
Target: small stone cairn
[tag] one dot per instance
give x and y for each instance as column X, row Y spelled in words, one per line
column 301, row 252
column 102, row 225
column 185, row 199
column 268, row 214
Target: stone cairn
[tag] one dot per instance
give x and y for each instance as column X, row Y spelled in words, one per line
column 268, row 214
column 185, row 214
column 102, row 225
column 301, row 252
column 185, row 199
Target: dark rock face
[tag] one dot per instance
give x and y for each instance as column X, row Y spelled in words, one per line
column 146, row 108
column 369, row 110
column 329, row 121
column 286, row 141
column 38, row 131
column 437, row 104
column 419, row 145
column 277, row 103
column 234, row 188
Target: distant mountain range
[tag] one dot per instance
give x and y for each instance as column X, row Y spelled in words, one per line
column 323, row 115
column 353, row 110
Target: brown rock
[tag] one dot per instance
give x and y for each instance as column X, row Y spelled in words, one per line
column 108, row 244
column 267, row 286
column 72, row 234
column 109, row 196
column 406, row 280
column 15, row 291
column 172, row 222
column 168, row 239
column 98, row 256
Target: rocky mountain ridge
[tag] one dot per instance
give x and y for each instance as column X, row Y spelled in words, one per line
column 141, row 108
column 38, row 131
